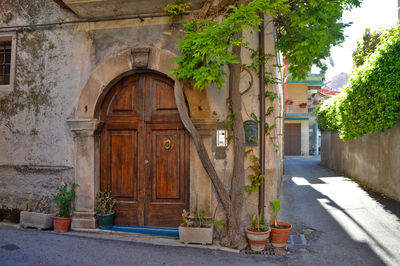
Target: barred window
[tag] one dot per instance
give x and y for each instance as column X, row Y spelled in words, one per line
column 5, row 62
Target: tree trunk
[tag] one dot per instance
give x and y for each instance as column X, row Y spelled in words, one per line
column 235, row 234
column 237, row 182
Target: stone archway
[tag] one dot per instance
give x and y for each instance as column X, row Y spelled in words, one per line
column 85, row 125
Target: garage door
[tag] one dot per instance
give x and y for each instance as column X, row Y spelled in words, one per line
column 292, row 139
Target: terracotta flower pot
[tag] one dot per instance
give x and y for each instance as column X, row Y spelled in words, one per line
column 279, row 236
column 61, row 224
column 257, row 240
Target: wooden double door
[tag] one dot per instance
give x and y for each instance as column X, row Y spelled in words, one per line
column 144, row 152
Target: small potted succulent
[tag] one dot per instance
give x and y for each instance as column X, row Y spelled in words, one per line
column 196, row 227
column 37, row 215
column 258, row 233
column 63, row 201
column 279, row 230
column 105, row 203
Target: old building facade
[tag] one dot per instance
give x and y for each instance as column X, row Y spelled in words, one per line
column 89, row 96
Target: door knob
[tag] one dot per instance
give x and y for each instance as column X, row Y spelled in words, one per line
column 146, row 161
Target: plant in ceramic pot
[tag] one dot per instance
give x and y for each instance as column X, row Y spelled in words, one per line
column 258, row 233
column 196, row 227
column 279, row 230
column 63, row 201
column 105, row 203
column 37, row 215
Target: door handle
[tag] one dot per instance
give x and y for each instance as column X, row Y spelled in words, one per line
column 146, row 161
column 167, row 144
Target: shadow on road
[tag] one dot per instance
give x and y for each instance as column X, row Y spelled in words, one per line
column 349, row 219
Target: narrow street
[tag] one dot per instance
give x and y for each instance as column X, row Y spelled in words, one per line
column 347, row 225
column 343, row 223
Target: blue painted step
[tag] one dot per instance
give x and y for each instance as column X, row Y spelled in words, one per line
column 148, row 230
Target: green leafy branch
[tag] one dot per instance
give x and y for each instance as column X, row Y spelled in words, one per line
column 256, row 177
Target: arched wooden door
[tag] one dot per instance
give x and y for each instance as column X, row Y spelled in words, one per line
column 144, row 152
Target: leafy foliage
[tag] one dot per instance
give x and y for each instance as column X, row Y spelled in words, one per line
column 276, row 207
column 307, row 29
column 371, row 100
column 105, row 202
column 176, row 9
column 256, row 177
column 259, row 224
column 63, row 199
column 368, row 45
column 196, row 218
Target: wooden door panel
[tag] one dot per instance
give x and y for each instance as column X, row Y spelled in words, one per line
column 123, row 165
column 166, row 161
column 125, row 101
column 167, row 192
column 160, row 101
column 124, row 174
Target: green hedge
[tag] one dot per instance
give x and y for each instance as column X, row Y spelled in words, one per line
column 371, row 100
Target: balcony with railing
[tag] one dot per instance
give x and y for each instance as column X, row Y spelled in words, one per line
column 296, row 107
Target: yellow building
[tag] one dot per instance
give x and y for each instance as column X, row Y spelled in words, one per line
column 300, row 127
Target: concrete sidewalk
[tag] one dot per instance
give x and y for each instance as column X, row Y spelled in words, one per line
column 345, row 224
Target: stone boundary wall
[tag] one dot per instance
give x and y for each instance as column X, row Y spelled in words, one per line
column 373, row 160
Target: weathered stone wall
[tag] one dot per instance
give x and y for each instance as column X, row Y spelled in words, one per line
column 373, row 160
column 36, row 145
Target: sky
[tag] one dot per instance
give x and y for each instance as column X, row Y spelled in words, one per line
column 373, row 14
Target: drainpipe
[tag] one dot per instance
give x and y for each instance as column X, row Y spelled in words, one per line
column 261, row 51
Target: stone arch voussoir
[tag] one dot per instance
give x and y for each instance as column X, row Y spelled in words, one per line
column 113, row 69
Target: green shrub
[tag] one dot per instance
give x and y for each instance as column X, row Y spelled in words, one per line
column 371, row 100
column 105, row 202
column 63, row 199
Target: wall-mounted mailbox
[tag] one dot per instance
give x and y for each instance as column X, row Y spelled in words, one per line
column 251, row 132
column 222, row 135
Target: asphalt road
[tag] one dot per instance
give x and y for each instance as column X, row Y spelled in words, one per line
column 346, row 224
column 32, row 247
column 343, row 223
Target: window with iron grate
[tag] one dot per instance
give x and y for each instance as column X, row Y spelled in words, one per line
column 8, row 48
column 5, row 62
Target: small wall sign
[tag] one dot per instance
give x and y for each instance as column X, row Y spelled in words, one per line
column 251, row 132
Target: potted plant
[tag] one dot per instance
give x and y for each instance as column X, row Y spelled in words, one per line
column 105, row 209
column 63, row 200
column 38, row 216
column 258, row 233
column 303, row 105
column 196, row 227
column 289, row 102
column 279, row 230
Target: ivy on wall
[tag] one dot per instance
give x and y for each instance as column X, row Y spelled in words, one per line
column 371, row 100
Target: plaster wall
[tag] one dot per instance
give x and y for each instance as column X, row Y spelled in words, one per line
column 297, row 92
column 373, row 159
